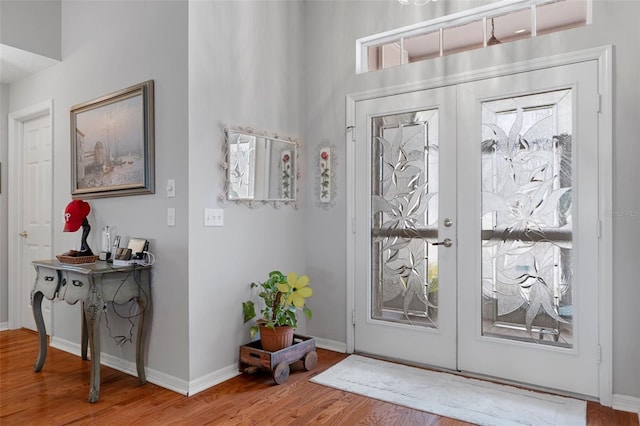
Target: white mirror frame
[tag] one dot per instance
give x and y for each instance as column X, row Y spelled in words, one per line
column 254, row 203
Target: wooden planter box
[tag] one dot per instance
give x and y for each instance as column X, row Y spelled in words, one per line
column 254, row 358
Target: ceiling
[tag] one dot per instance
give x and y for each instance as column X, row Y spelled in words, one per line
column 16, row 64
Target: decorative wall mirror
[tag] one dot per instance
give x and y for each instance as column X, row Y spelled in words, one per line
column 260, row 168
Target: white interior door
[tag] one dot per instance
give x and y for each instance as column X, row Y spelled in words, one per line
column 35, row 199
column 507, row 170
column 405, row 190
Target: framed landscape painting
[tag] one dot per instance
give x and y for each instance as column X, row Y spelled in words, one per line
column 112, row 144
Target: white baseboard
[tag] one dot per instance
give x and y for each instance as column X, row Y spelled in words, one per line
column 212, row 379
column 331, row 345
column 626, row 403
column 4, row 326
column 153, row 376
column 65, row 345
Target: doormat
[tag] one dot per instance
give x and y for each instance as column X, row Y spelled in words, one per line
column 449, row 395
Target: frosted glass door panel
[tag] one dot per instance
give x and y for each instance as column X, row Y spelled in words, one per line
column 404, row 205
column 527, row 218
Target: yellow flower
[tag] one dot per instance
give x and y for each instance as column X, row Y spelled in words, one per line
column 284, row 288
column 299, row 289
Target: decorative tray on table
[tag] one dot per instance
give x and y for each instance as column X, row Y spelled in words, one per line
column 76, row 260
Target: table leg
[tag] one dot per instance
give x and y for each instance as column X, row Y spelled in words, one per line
column 36, row 306
column 93, row 314
column 84, row 335
column 142, row 307
column 84, row 338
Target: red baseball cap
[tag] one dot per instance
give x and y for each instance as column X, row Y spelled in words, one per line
column 74, row 215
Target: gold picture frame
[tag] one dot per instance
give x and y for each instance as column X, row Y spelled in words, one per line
column 113, row 144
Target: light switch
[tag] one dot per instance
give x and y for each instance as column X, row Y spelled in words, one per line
column 213, row 217
column 171, row 188
column 171, row 216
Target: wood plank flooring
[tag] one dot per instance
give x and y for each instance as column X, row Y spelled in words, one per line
column 58, row 396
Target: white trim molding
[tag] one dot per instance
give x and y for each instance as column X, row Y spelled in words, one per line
column 626, row 403
column 331, row 345
column 212, row 379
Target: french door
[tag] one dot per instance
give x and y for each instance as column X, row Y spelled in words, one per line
column 405, row 285
column 476, row 218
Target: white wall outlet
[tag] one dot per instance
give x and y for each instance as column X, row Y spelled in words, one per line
column 171, row 216
column 171, row 188
column 213, row 217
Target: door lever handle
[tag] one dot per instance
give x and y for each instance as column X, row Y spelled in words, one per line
column 447, row 243
column 24, row 234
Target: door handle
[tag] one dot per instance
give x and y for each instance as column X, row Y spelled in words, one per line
column 24, row 234
column 448, row 242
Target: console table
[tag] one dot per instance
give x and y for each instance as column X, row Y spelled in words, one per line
column 94, row 285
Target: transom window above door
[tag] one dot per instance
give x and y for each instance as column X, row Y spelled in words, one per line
column 477, row 28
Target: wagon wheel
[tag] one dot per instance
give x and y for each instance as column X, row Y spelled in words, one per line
column 310, row 360
column 281, row 373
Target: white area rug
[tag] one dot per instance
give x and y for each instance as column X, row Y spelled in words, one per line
column 448, row 395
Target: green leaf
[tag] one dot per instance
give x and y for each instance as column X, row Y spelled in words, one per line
column 249, row 310
column 307, row 312
column 253, row 331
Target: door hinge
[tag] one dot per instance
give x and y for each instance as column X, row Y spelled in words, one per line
column 599, row 229
column 353, row 225
column 599, row 103
column 353, row 317
column 352, row 129
column 599, row 353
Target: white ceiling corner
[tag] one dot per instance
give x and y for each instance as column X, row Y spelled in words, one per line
column 16, row 64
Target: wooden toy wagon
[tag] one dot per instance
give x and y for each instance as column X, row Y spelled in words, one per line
column 254, row 358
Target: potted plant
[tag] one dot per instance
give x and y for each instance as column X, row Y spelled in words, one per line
column 282, row 297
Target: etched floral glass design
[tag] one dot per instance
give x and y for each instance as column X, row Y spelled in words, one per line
column 527, row 218
column 404, row 205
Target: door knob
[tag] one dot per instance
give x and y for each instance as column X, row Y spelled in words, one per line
column 24, row 234
column 447, row 243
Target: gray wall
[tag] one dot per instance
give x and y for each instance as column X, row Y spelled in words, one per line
column 107, row 46
column 32, row 25
column 244, row 70
column 331, row 28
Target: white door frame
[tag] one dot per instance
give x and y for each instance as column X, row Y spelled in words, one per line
column 604, row 56
column 16, row 139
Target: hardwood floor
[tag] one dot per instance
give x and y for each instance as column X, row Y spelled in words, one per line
column 58, row 396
